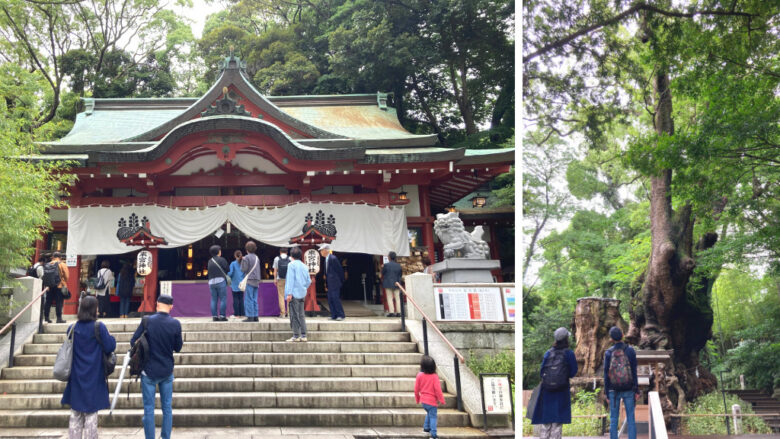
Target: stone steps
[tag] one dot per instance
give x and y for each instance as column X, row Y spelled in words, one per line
column 231, row 400
column 259, row 346
column 328, row 359
column 356, row 373
column 235, row 384
column 331, row 417
column 245, row 370
column 273, row 336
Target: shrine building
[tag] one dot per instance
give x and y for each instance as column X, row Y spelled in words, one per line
column 177, row 175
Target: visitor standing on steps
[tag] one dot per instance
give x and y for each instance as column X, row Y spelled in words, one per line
column 553, row 408
column 55, row 276
column 250, row 266
column 620, row 382
column 163, row 333
column 334, row 279
column 298, row 281
column 125, row 283
column 427, row 391
column 104, row 277
column 236, row 275
column 87, row 388
column 391, row 273
column 280, row 274
column 217, row 272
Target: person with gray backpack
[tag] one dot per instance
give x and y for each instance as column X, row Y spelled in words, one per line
column 620, row 382
column 553, row 407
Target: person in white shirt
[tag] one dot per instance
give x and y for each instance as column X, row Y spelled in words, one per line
column 106, row 277
column 280, row 277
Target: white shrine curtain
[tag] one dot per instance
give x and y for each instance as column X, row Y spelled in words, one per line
column 360, row 228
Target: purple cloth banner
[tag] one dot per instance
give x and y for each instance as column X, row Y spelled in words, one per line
column 194, row 300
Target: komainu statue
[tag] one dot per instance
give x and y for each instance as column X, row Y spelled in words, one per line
column 458, row 243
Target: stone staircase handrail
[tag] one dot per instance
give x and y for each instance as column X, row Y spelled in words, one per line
column 19, row 314
column 433, row 325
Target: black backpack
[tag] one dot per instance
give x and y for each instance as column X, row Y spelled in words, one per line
column 283, row 263
column 555, row 374
column 101, row 282
column 139, row 353
column 51, row 275
column 33, row 271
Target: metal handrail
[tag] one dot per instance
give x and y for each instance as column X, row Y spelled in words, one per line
column 657, row 423
column 435, row 328
column 425, row 320
column 12, row 324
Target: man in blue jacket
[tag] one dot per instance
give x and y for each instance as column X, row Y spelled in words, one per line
column 163, row 333
column 334, row 279
column 297, row 281
column 391, row 273
column 620, row 382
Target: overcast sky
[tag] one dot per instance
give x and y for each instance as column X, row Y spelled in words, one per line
column 198, row 13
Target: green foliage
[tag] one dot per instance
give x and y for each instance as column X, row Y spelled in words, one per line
column 712, row 403
column 28, row 189
column 539, row 323
column 502, row 362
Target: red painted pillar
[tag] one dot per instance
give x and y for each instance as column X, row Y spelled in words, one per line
column 71, row 306
column 40, row 245
column 427, row 228
column 149, row 304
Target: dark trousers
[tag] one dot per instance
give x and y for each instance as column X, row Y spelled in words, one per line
column 334, row 303
column 297, row 318
column 238, row 302
column 104, row 304
column 54, row 294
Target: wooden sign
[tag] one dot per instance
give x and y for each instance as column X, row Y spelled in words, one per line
column 497, row 395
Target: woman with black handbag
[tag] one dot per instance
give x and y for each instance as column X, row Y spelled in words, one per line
column 87, row 389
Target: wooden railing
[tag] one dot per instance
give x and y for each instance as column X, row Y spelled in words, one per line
column 12, row 324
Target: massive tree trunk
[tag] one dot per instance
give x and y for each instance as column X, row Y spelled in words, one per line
column 593, row 318
column 674, row 313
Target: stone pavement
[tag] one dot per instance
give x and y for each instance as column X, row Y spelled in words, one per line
column 265, row 433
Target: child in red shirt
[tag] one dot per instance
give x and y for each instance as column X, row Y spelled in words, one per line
column 427, row 390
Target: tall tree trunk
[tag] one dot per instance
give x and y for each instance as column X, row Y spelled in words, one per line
column 673, row 314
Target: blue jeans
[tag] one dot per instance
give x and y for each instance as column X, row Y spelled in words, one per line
column 614, row 412
column 148, row 387
column 124, row 306
column 431, row 412
column 334, row 303
column 238, row 301
column 218, row 294
column 250, row 301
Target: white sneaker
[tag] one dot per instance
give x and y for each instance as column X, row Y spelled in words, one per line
column 294, row 339
column 303, row 339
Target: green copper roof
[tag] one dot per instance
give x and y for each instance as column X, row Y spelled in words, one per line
column 114, row 126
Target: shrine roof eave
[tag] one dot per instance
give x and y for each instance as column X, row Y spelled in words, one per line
column 488, row 156
column 229, row 123
column 235, row 77
column 414, row 141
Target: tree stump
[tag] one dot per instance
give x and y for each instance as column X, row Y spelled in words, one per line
column 593, row 318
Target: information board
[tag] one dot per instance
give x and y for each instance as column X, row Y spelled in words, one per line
column 497, row 394
column 165, row 288
column 469, row 303
column 508, row 294
column 71, row 260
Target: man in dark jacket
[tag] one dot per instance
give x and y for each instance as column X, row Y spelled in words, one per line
column 163, row 333
column 391, row 273
column 217, row 269
column 628, row 391
column 334, row 279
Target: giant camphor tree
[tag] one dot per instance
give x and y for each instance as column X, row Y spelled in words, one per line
column 693, row 87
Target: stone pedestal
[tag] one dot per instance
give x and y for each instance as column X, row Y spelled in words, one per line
column 420, row 287
column 24, row 292
column 461, row 270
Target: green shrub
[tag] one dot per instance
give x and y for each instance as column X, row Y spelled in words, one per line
column 712, row 403
column 502, row 362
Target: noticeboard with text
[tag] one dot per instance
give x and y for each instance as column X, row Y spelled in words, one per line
column 508, row 294
column 497, row 395
column 469, row 304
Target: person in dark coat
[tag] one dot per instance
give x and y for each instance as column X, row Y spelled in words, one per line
column 124, row 289
column 217, row 269
column 628, row 393
column 87, row 389
column 553, row 408
column 334, row 278
column 391, row 273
